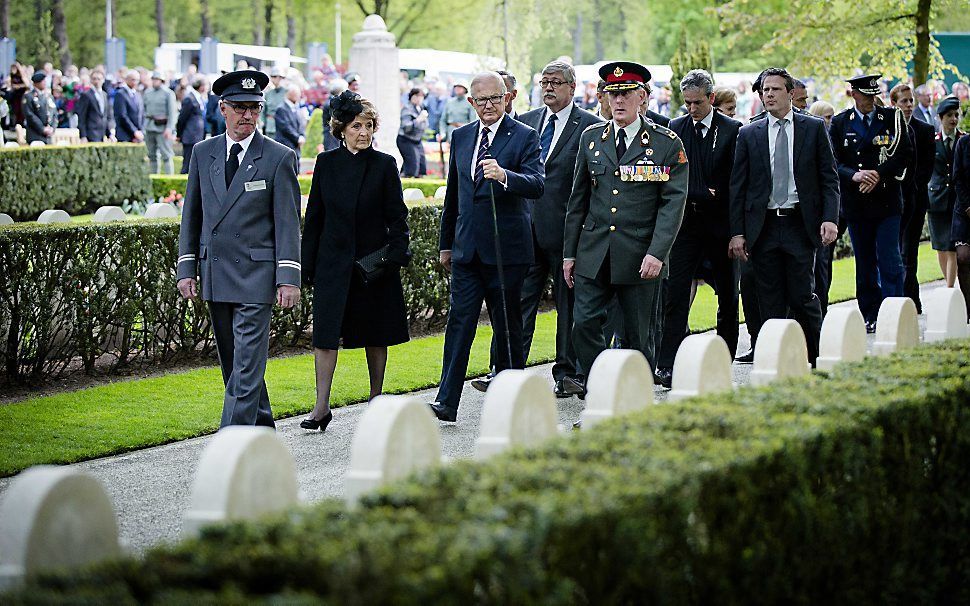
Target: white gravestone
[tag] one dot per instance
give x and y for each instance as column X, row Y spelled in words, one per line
column 702, row 365
column 11, row 144
column 37, row 144
column 5, row 219
column 396, row 436
column 439, row 194
column 161, row 210
column 51, row 518
column 244, row 473
column 619, row 382
column 781, row 352
column 897, row 327
column 413, row 194
column 946, row 315
column 107, row 214
column 374, row 56
column 519, row 410
column 54, row 216
column 843, row 337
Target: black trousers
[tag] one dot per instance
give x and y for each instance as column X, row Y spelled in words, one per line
column 784, row 264
column 412, row 152
column 242, row 340
column 911, row 230
column 547, row 261
column 472, row 284
column 753, row 318
column 693, row 245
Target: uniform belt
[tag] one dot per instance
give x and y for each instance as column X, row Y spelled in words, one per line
column 783, row 212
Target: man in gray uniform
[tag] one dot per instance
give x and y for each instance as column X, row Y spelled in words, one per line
column 275, row 97
column 241, row 236
column 624, row 212
column 160, row 116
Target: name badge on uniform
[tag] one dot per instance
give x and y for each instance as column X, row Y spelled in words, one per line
column 256, row 185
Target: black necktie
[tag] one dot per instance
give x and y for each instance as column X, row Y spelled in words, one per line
column 865, row 121
column 482, row 154
column 620, row 144
column 232, row 163
column 699, row 128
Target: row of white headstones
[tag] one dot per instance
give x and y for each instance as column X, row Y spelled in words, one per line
column 53, row 517
column 105, row 214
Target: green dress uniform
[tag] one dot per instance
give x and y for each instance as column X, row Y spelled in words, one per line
column 620, row 210
column 40, row 111
column 274, row 99
column 161, row 114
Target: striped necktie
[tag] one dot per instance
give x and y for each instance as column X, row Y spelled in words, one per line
column 482, row 154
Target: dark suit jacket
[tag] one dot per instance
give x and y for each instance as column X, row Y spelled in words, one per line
column 93, row 124
column 816, row 179
column 941, row 192
column 915, row 185
column 287, row 127
column 960, row 230
column 466, row 221
column 658, row 118
column 723, row 138
column 190, row 127
column 215, row 122
column 129, row 114
column 549, row 211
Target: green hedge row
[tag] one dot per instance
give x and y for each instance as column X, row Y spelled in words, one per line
column 75, row 178
column 848, row 488
column 86, row 296
column 163, row 185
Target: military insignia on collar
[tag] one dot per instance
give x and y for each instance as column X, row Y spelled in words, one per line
column 249, row 83
column 648, row 151
column 618, row 72
column 606, row 132
column 645, row 138
column 879, row 116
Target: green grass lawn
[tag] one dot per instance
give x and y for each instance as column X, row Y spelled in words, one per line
column 126, row 415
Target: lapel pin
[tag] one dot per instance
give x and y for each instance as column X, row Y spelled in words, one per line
column 648, row 151
column 249, row 167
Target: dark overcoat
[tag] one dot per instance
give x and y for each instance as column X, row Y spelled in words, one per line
column 356, row 206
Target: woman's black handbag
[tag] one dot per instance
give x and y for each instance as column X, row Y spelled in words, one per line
column 371, row 267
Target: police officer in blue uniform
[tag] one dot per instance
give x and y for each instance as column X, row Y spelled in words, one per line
column 872, row 151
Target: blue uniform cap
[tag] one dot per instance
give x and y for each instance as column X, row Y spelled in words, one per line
column 243, row 85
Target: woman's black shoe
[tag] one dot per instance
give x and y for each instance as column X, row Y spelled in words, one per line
column 321, row 424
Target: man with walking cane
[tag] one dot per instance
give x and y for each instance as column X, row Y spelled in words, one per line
column 486, row 235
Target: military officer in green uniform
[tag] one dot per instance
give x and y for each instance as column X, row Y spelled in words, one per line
column 626, row 206
column 275, row 97
column 161, row 114
column 40, row 112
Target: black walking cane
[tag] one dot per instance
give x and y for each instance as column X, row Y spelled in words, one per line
column 501, row 271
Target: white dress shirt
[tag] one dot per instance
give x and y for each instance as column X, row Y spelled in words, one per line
column 707, row 121
column 773, row 128
column 560, row 124
column 478, row 140
column 630, row 129
column 245, row 145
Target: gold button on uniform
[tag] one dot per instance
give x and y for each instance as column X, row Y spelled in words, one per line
column 616, row 192
column 612, row 227
column 616, row 173
column 613, row 210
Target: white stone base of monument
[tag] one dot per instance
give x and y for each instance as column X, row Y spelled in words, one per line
column 244, row 473
column 37, row 144
column 396, row 436
column 107, row 214
column 5, row 219
column 843, row 337
column 619, row 382
column 946, row 315
column 781, row 352
column 54, row 215
column 11, row 144
column 161, row 210
column 519, row 410
column 51, row 518
column 897, row 327
column 413, row 194
column 374, row 56
column 439, row 194
column 702, row 365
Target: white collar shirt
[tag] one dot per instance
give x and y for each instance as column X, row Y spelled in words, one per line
column 478, row 140
column 244, row 143
column 706, row 122
column 630, row 129
column 773, row 129
column 559, row 125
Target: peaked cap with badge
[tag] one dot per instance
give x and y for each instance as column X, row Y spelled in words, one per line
column 623, row 75
column 867, row 85
column 241, row 86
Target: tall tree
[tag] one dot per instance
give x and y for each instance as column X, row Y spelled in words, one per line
column 160, row 21
column 60, row 32
column 268, row 21
column 290, row 27
column 4, row 18
column 204, row 15
column 257, row 25
column 872, row 35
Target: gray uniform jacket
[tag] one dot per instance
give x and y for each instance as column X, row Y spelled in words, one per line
column 244, row 242
column 160, row 103
column 628, row 207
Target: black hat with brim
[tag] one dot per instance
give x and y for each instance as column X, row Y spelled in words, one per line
column 38, row 76
column 243, row 85
column 867, row 85
column 623, row 75
column 948, row 104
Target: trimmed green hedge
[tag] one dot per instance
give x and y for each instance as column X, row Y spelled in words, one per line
column 162, row 185
column 102, row 297
column 74, row 178
column 848, row 488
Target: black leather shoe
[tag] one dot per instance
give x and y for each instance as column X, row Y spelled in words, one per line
column 663, row 377
column 870, row 327
column 313, row 425
column 572, row 386
column 577, row 425
column 482, row 383
column 443, row 412
column 746, row 358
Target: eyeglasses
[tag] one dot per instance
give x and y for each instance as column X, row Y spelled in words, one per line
column 483, row 101
column 552, row 83
column 242, row 110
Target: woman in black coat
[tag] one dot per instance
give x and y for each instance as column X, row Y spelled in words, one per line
column 355, row 208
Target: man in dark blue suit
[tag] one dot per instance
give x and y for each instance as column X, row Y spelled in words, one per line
column 190, row 128
column 493, row 171
column 215, row 122
column 94, row 116
column 288, row 129
column 129, row 111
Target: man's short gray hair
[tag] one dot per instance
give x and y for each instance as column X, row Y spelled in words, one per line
column 567, row 70
column 922, row 89
column 481, row 76
column 699, row 79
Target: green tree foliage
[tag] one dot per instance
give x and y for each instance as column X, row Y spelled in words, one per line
column 690, row 54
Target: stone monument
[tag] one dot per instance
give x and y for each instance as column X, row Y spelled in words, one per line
column 374, row 56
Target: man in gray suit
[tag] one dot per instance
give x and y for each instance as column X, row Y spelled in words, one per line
column 559, row 124
column 241, row 236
